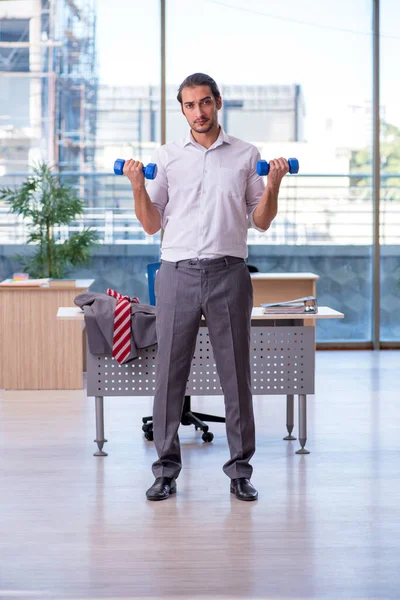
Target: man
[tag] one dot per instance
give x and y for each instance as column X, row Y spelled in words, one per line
column 205, row 196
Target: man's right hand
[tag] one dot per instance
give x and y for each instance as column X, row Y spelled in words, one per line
column 133, row 169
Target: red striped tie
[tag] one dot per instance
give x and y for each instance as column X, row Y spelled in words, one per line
column 122, row 326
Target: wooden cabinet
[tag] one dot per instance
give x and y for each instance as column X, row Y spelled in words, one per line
column 37, row 351
column 280, row 287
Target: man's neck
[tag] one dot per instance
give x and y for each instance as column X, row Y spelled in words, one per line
column 207, row 139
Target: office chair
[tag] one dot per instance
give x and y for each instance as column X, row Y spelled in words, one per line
column 188, row 417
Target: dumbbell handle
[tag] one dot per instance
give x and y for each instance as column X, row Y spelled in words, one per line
column 150, row 171
column 263, row 166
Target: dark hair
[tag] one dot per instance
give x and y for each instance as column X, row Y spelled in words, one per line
column 199, row 79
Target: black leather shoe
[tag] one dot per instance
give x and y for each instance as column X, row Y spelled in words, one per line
column 243, row 489
column 161, row 488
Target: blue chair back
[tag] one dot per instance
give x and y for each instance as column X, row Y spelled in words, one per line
column 152, row 269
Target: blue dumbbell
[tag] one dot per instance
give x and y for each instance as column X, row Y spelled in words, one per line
column 150, row 172
column 263, row 166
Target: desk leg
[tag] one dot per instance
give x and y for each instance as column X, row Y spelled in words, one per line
column 290, row 416
column 302, row 424
column 100, row 426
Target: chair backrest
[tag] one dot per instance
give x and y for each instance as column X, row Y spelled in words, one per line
column 152, row 269
column 252, row 269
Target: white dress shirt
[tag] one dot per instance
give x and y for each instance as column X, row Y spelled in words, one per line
column 206, row 197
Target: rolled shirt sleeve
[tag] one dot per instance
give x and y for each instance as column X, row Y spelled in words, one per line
column 157, row 188
column 254, row 190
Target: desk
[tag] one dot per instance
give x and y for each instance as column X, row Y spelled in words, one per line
column 282, row 363
column 36, row 352
column 281, row 287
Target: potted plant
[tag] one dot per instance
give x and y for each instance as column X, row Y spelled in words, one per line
column 46, row 203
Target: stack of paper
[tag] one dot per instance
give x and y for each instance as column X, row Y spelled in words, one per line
column 25, row 283
column 308, row 304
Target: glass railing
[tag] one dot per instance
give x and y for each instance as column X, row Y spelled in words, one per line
column 313, row 209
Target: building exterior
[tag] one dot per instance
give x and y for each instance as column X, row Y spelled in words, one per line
column 128, row 118
column 49, row 84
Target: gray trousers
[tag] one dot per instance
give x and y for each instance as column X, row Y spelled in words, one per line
column 221, row 290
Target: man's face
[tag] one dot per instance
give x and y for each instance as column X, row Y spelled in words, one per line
column 200, row 108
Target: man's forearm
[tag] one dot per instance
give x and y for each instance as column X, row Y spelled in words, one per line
column 267, row 208
column 145, row 211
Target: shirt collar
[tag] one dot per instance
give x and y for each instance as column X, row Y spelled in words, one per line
column 223, row 138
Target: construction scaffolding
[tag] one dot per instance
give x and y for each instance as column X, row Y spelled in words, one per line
column 49, row 76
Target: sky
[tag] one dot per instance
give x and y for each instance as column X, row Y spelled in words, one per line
column 324, row 46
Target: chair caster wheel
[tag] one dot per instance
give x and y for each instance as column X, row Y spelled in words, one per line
column 149, row 436
column 208, row 436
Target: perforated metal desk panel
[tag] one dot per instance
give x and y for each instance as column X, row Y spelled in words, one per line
column 282, row 362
